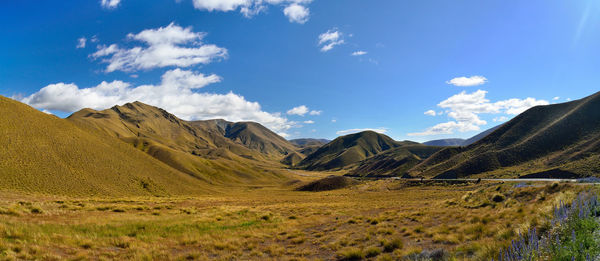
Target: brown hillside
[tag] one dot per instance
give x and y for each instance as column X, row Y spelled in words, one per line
column 44, row 154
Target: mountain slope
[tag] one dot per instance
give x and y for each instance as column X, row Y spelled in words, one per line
column 445, row 142
column 479, row 136
column 198, row 149
column 394, row 162
column 347, row 150
column 44, row 154
column 302, row 143
column 560, row 136
column 258, row 138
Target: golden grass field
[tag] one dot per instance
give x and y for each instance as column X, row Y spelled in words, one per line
column 375, row 220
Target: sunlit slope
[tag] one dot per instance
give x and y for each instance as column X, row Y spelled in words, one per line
column 44, row 154
column 560, row 136
column 258, row 138
column 347, row 150
column 394, row 162
column 199, row 150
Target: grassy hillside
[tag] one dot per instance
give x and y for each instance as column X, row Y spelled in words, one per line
column 199, row 149
column 44, row 154
column 394, row 162
column 258, row 138
column 292, row 159
column 560, row 136
column 302, row 143
column 347, row 150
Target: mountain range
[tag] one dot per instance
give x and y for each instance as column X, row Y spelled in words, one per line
column 139, row 149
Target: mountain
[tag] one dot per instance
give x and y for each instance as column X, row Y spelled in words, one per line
column 347, row 150
column 45, row 154
column 292, row 159
column 394, row 162
column 258, row 138
column 199, row 149
column 445, row 142
column 559, row 137
column 479, row 136
column 302, row 143
column 461, row 142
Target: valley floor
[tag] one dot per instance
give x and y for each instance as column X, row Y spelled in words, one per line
column 376, row 220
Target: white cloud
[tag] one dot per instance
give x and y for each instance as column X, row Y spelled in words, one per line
column 296, row 13
column 300, row 110
column 468, row 81
column 177, row 93
column 556, row 98
column 430, row 113
column 309, row 122
column 501, row 119
column 350, row 131
column 359, row 53
column 109, row 4
column 295, row 10
column 81, row 42
column 568, row 99
column 315, row 112
column 166, row 46
column 333, row 120
column 330, row 39
column 464, row 108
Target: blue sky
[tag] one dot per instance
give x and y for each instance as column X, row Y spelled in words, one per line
column 426, row 69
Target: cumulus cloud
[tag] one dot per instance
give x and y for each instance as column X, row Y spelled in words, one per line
column 81, row 43
column 309, row 122
column 167, row 46
column 315, row 112
column 295, row 10
column 330, row 39
column 350, row 131
column 464, row 108
column 358, row 53
column 430, row 113
column 177, row 93
column 296, row 13
column 109, row 4
column 556, row 98
column 300, row 110
column 467, row 81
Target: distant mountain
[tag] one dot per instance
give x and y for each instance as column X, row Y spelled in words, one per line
column 394, row 162
column 200, row 149
column 479, row 136
column 460, row 142
column 302, row 143
column 347, row 150
column 563, row 137
column 45, row 154
column 445, row 142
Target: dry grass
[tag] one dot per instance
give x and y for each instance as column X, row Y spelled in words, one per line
column 364, row 222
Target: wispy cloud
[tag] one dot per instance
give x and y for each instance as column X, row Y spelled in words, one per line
column 81, row 43
column 110, row 4
column 359, row 53
column 330, row 39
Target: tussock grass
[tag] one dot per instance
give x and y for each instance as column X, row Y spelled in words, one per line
column 385, row 224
